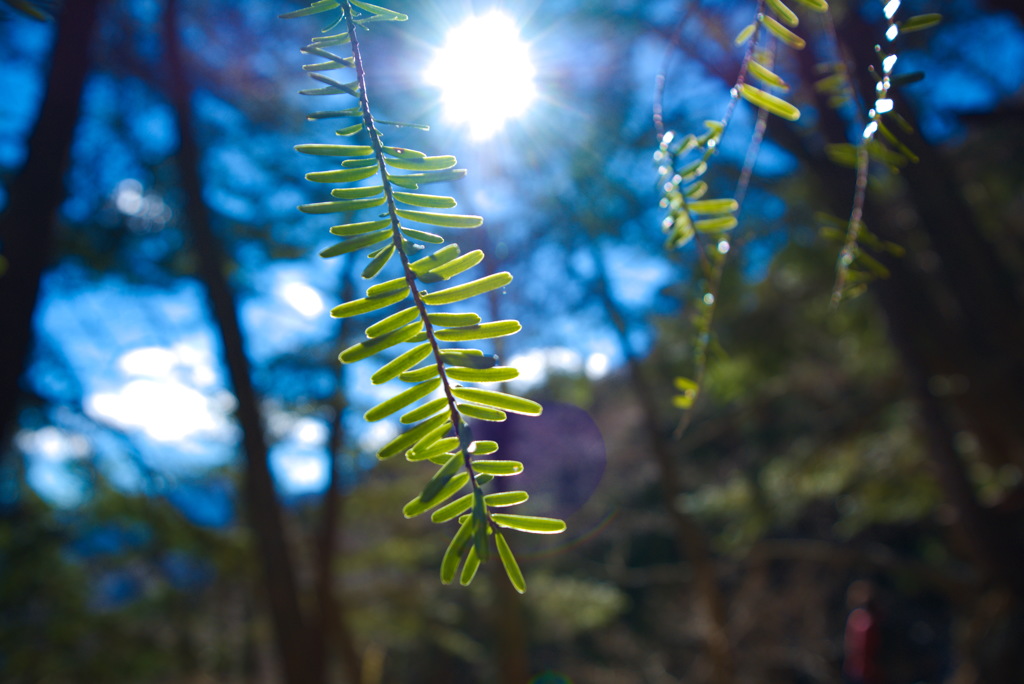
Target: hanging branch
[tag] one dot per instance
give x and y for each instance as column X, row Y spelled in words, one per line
column 439, row 432
column 681, row 165
column 854, row 267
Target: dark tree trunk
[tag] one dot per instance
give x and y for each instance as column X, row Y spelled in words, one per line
column 510, row 631
column 263, row 508
column 330, row 628
column 28, row 223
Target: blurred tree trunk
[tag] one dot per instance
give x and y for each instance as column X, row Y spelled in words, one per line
column 509, row 629
column 330, row 625
column 692, row 544
column 263, row 508
column 28, row 223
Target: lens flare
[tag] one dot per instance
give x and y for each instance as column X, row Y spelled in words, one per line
column 485, row 74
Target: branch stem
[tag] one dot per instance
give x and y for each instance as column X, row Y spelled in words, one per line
column 398, row 241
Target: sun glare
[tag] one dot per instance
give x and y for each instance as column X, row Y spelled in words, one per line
column 302, row 298
column 485, row 74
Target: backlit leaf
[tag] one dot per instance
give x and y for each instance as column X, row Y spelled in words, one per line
column 420, row 374
column 442, row 487
column 331, row 66
column 383, row 12
column 470, row 567
column 405, row 440
column 401, row 400
column 393, row 285
column 422, row 164
column 357, row 193
column 335, row 113
column 403, row 182
column 335, row 150
column 367, row 304
column 505, row 499
column 483, row 447
column 438, row 448
column 349, row 130
column 497, row 374
column 467, row 290
column 368, row 348
column 342, row 175
column 354, row 205
column 529, row 523
column 441, row 256
column 422, row 236
column 429, row 201
column 317, row 49
column 766, row 75
column 782, row 33
column 501, row 468
column 452, row 510
column 443, row 220
column 713, row 206
column 920, row 22
column 482, row 412
column 714, row 225
column 378, row 262
column 424, row 411
column 329, row 90
column 407, row 360
column 782, row 11
column 744, row 35
column 499, row 400
column 430, row 438
column 356, row 243
column 453, row 554
column 481, row 331
column 315, row 8
column 450, row 320
column 412, row 180
column 458, row 265
column 360, row 163
column 768, row 102
column 341, row 205
column 469, row 358
column 393, row 322
column 333, row 87
column 402, row 124
column 515, row 575
column 403, row 152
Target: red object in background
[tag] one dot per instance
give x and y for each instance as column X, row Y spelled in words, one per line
column 861, row 640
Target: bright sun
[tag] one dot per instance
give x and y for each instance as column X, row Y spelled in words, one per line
column 485, row 74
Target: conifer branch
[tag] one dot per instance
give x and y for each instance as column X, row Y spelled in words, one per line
column 439, row 431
